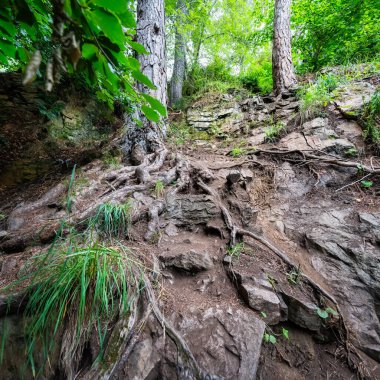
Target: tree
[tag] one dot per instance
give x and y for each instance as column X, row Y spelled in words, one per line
column 179, row 68
column 146, row 135
column 282, row 64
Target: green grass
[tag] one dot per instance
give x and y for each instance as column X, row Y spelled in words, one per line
column 273, row 132
column 370, row 119
column 316, row 96
column 159, row 189
column 113, row 220
column 81, row 287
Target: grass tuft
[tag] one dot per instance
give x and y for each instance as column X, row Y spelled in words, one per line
column 113, row 220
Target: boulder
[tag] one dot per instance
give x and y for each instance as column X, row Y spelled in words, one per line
column 189, row 261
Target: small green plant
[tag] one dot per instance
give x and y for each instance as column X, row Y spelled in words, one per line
column 111, row 161
column 366, row 184
column 80, row 288
column 2, row 216
column 237, row 152
column 236, row 250
column 263, row 314
column 351, row 152
column 270, row 338
column 272, row 281
column 294, row 276
column 113, row 220
column 324, row 313
column 370, row 119
column 159, row 189
column 273, row 132
column 285, row 333
column 179, row 133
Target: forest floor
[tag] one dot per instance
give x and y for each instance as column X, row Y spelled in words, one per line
column 308, row 203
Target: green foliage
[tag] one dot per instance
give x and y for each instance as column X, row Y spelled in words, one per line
column 86, row 287
column 52, row 112
column 2, row 216
column 366, row 184
column 237, row 152
column 316, row 96
column 351, row 152
column 236, row 250
column 105, row 31
column 294, row 276
column 370, row 119
column 159, row 189
column 285, row 333
column 334, row 32
column 113, row 220
column 270, row 338
column 324, row 313
column 178, row 133
column 273, row 132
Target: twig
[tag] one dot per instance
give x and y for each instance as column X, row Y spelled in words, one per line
column 353, row 183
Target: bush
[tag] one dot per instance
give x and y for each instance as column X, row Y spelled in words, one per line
column 370, row 119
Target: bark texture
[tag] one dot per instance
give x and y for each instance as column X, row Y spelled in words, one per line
column 283, row 70
column 148, row 137
column 179, row 67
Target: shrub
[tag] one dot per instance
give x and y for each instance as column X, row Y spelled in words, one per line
column 370, row 119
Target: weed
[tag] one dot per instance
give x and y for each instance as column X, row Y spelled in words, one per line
column 294, row 276
column 351, row 152
column 236, row 250
column 179, row 133
column 366, row 184
column 317, row 96
column 111, row 161
column 113, row 220
column 272, row 281
column 83, row 288
column 237, row 152
column 273, row 132
column 159, row 189
column 270, row 338
column 2, row 216
column 370, row 119
column 324, row 313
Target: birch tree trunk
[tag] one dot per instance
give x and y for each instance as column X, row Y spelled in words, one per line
column 179, row 67
column 283, row 70
column 140, row 140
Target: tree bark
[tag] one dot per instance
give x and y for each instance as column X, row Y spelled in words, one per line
column 283, row 70
column 142, row 139
column 179, row 68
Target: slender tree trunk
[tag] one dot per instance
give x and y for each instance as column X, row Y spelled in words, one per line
column 179, row 68
column 140, row 140
column 283, row 70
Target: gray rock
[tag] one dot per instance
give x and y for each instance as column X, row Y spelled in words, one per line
column 262, row 300
column 190, row 261
column 302, row 313
column 227, row 343
column 171, row 230
column 350, row 98
column 233, row 176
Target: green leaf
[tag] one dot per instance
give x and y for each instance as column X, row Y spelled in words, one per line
column 139, row 76
column 264, row 314
column 322, row 313
column 133, row 63
column 89, row 50
column 331, row 311
column 155, row 104
column 137, row 47
column 367, row 184
column 272, row 339
column 266, row 337
column 128, row 19
column 285, row 333
column 150, row 113
column 107, row 23
column 116, row 6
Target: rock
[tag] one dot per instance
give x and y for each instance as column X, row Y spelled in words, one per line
column 227, row 343
column 247, row 174
column 262, row 300
column 190, row 210
column 171, row 230
column 302, row 313
column 350, row 98
column 144, row 361
column 190, row 261
column 371, row 224
column 233, row 176
column 351, row 130
column 3, row 234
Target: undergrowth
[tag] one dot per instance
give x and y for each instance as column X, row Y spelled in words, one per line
column 370, row 119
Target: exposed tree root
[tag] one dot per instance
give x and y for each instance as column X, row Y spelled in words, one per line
column 323, row 159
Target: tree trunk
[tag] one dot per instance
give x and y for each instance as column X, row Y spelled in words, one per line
column 178, row 77
column 140, row 140
column 283, row 70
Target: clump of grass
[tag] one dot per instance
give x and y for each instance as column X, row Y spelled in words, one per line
column 236, row 250
column 237, row 152
column 113, row 220
column 316, row 96
column 81, row 289
column 273, row 132
column 370, row 119
column 159, row 189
